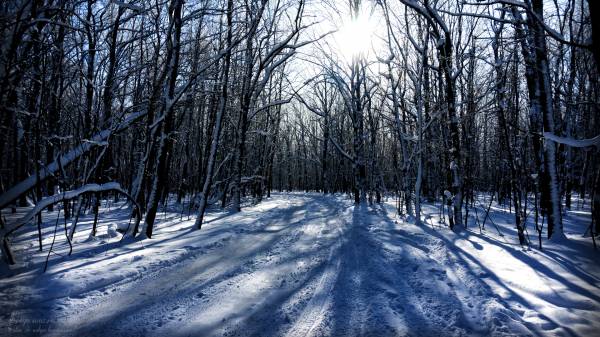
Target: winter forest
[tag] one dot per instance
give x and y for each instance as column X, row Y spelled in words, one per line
column 299, row 168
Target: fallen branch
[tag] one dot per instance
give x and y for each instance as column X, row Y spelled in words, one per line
column 65, row 196
column 572, row 142
column 65, row 159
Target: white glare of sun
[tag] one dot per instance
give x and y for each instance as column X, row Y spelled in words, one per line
column 355, row 36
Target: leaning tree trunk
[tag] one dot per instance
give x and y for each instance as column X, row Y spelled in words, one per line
column 219, row 119
column 242, row 125
column 161, row 170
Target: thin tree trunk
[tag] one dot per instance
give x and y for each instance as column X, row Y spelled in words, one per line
column 219, row 118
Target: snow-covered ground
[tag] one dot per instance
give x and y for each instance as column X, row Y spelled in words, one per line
column 302, row 265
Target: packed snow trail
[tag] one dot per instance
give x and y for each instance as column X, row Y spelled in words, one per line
column 294, row 265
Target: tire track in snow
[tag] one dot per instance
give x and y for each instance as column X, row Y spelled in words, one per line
column 347, row 298
column 314, row 272
column 168, row 291
column 255, row 297
column 312, row 315
column 361, row 287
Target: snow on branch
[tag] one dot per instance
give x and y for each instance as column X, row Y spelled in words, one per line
column 65, row 159
column 340, row 150
column 527, row 7
column 128, row 6
column 269, row 105
column 54, row 199
column 573, row 142
column 252, row 179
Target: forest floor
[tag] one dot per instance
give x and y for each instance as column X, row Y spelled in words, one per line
column 302, row 265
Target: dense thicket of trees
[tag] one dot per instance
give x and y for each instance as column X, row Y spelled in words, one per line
column 201, row 100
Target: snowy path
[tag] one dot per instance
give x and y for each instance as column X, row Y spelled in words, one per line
column 295, row 265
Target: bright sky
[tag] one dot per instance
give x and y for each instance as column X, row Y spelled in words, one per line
column 361, row 36
column 357, row 37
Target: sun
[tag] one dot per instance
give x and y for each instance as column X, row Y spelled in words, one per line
column 355, row 37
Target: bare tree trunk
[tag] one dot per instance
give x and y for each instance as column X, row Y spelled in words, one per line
column 502, row 104
column 160, row 175
column 219, row 118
